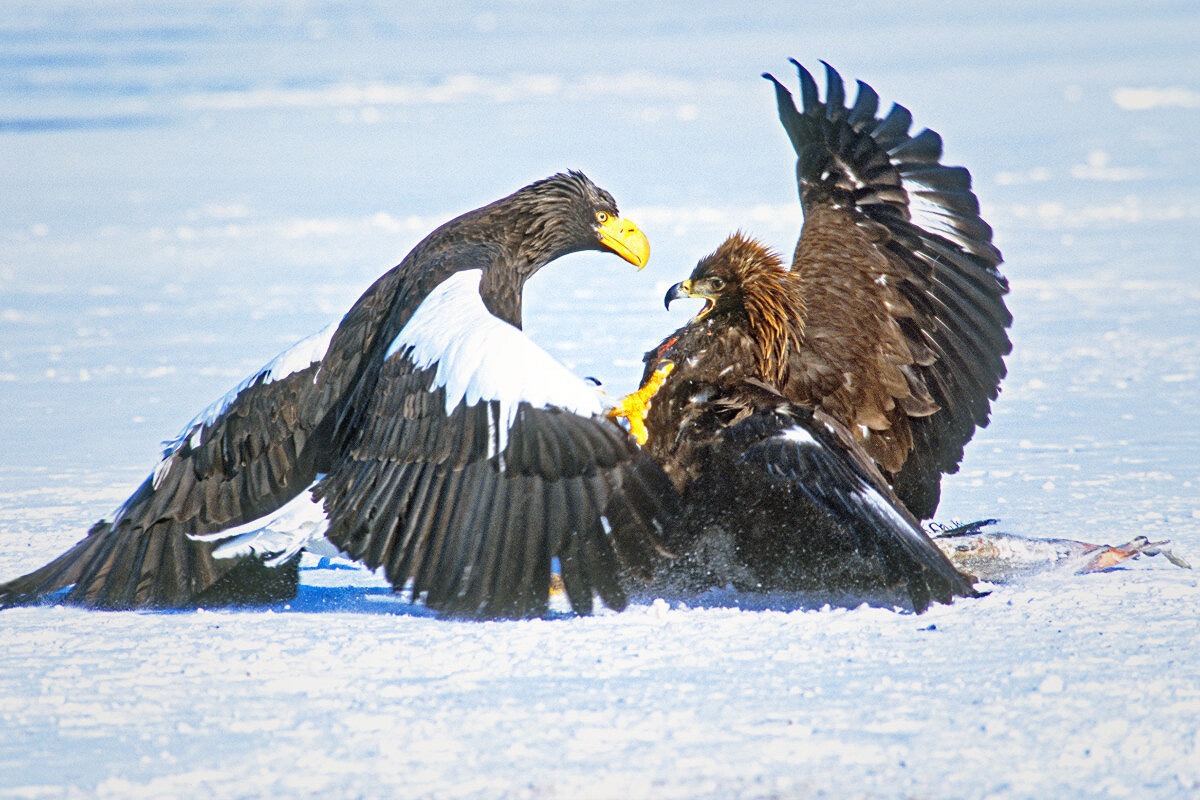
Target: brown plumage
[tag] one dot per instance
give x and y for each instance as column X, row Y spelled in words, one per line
column 891, row 324
column 777, row 495
column 864, row 367
column 905, row 318
column 766, row 296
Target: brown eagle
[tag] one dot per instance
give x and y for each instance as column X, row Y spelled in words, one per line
column 424, row 433
column 811, row 411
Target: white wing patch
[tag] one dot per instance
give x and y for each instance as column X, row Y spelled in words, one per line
column 864, row 494
column 301, row 355
column 930, row 215
column 298, row 525
column 800, row 436
column 869, row 496
column 480, row 357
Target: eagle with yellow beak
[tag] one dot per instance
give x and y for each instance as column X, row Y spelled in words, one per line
column 423, row 434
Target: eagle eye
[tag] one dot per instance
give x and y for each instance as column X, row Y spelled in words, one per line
column 717, row 284
column 601, row 217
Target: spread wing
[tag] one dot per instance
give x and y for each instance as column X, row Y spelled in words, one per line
column 823, row 518
column 481, row 461
column 244, row 456
column 906, row 324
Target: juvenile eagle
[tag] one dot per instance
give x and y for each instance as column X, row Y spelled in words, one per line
column 811, row 412
column 424, row 433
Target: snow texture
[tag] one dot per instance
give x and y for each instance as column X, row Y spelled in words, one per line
column 188, row 188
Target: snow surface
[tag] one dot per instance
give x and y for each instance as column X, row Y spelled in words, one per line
column 189, row 188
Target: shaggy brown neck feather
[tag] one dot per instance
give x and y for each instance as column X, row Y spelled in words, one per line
column 772, row 302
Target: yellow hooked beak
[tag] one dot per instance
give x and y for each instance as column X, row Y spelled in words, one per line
column 625, row 239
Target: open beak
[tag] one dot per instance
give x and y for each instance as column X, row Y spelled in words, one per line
column 684, row 289
column 626, row 240
column 681, row 289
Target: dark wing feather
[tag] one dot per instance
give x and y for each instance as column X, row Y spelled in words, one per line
column 257, row 454
column 941, row 283
column 264, row 447
column 823, row 517
column 425, row 495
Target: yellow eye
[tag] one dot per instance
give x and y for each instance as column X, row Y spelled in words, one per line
column 601, row 217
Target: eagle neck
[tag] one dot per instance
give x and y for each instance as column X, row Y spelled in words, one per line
column 500, row 288
column 517, row 259
column 775, row 315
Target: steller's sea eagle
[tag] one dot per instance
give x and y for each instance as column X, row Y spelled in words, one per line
column 429, row 435
column 810, row 412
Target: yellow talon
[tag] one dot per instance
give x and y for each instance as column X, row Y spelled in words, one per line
column 634, row 407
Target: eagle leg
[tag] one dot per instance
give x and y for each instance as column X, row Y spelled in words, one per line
column 634, row 407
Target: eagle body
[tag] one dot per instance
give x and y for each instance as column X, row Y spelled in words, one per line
column 809, row 411
column 795, row 499
column 423, row 434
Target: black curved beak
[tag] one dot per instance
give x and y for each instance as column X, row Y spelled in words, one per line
column 675, row 292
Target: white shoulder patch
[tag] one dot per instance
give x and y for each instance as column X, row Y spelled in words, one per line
column 480, row 357
column 301, row 355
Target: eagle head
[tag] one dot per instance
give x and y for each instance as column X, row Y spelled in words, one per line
column 745, row 284
column 737, row 273
column 566, row 213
